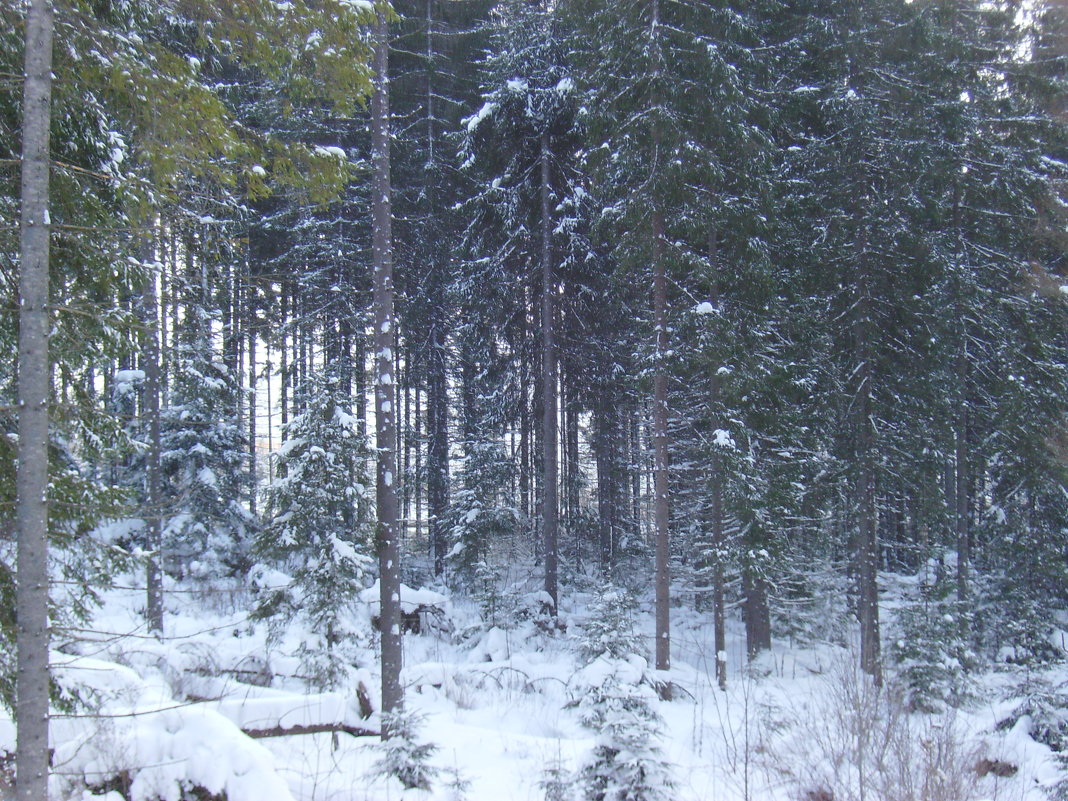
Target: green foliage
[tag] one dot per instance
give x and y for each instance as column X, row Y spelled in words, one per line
column 932, row 649
column 320, row 530
column 626, row 764
column 480, row 515
column 609, row 631
column 402, row 755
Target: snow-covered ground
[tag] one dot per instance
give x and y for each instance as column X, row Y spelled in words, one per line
column 503, row 708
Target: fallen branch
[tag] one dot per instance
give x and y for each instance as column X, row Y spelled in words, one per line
column 316, row 728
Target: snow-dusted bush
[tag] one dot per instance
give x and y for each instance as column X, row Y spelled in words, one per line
column 555, row 782
column 403, row 756
column 480, row 516
column 812, row 605
column 1045, row 707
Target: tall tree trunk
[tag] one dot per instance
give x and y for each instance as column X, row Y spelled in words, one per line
column 385, row 395
column 31, row 507
column 571, row 451
column 719, row 538
column 524, row 424
column 283, row 358
column 437, row 458
column 153, row 501
column 962, row 493
column 757, row 613
column 867, row 510
column 252, row 473
column 549, row 502
column 661, row 507
column 606, row 417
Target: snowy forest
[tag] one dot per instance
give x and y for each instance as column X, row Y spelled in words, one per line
column 650, row 400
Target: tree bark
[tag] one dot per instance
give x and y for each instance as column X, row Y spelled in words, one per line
column 385, row 396
column 867, row 510
column 252, row 474
column 153, row 502
column 661, row 507
column 31, row 509
column 719, row 539
column 549, row 502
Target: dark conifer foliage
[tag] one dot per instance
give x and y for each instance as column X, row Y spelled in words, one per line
column 744, row 305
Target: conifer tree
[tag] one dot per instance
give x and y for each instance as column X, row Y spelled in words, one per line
column 208, row 531
column 321, row 528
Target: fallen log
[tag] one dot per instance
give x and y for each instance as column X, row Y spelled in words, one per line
column 315, row 728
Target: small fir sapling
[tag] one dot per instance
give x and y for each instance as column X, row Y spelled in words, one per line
column 610, row 630
column 320, row 530
column 207, row 530
column 618, row 702
column 403, row 756
column 932, row 651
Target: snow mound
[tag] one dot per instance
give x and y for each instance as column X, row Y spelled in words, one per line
column 411, row 600
column 164, row 748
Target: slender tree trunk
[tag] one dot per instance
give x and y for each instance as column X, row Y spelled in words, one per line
column 252, row 472
column 867, row 511
column 524, row 420
column 283, row 356
column 962, row 504
column 31, row 508
column 661, row 508
column 719, row 538
column 385, row 395
column 757, row 613
column 571, row 451
column 661, row 503
column 153, row 500
column 437, row 486
column 605, row 433
column 417, row 482
column 549, row 507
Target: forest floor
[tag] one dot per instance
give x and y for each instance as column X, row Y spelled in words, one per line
column 500, row 707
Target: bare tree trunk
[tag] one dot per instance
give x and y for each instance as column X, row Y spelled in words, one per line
column 962, row 510
column 549, row 500
column 31, row 509
column 153, row 502
column 525, row 422
column 437, row 457
column 867, row 511
column 283, row 356
column 757, row 613
column 385, row 395
column 417, row 478
column 719, row 539
column 661, row 508
column 571, row 452
column 252, row 475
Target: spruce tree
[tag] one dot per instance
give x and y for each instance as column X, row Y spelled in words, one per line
column 321, row 527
